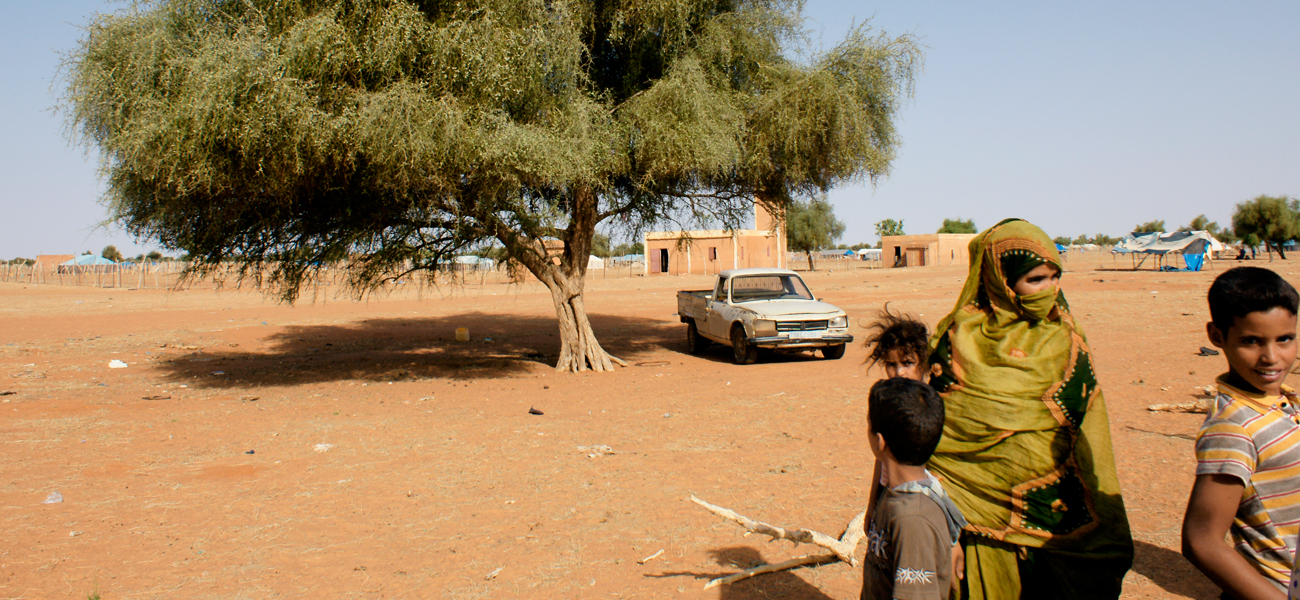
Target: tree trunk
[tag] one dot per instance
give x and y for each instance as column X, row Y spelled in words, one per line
column 1280, row 254
column 579, row 349
column 810, row 262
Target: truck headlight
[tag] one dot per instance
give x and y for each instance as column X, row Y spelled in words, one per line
column 764, row 328
column 839, row 322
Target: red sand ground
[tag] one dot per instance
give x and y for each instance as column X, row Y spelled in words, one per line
column 194, row 472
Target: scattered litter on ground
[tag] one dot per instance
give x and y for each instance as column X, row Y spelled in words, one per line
column 493, row 574
column 218, row 372
column 8, row 393
column 667, row 415
column 158, row 397
column 653, row 363
column 322, row 447
column 534, row 411
column 74, row 533
column 53, row 498
column 251, row 452
column 249, row 398
column 651, row 557
column 116, row 364
column 1207, row 352
column 594, row 451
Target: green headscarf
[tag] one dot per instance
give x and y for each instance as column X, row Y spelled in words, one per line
column 1026, row 452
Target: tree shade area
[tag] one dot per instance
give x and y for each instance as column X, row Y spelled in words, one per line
column 388, row 137
column 811, row 226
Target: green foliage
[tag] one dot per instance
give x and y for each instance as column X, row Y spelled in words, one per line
column 111, row 253
column 811, row 226
column 957, row 226
column 1063, row 240
column 889, row 227
column 392, row 135
column 600, row 245
column 626, row 249
column 1201, row 223
column 1102, row 239
column 1267, row 219
column 1150, row 227
column 281, row 136
column 154, row 256
column 21, row 261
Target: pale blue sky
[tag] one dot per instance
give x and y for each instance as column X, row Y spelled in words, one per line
column 1080, row 117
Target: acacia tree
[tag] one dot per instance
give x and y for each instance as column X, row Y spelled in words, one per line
column 811, row 226
column 958, row 226
column 1150, row 227
column 888, row 227
column 1269, row 219
column 388, row 136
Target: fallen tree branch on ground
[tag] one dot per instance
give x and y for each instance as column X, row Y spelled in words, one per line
column 843, row 548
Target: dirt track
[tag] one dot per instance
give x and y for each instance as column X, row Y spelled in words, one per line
column 199, row 470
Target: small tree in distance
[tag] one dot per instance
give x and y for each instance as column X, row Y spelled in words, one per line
column 1270, row 219
column 111, row 253
column 811, row 226
column 1150, row 227
column 958, row 226
column 888, row 227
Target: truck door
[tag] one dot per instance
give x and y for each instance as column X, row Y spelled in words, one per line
column 714, row 323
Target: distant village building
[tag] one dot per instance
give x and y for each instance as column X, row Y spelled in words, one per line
column 710, row 251
column 926, row 249
column 49, row 263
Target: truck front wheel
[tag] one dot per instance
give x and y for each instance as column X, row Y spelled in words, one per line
column 833, row 352
column 741, row 350
column 695, row 343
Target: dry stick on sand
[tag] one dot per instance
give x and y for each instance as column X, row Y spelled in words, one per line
column 843, row 548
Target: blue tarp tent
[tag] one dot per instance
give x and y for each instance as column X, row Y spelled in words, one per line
column 88, row 260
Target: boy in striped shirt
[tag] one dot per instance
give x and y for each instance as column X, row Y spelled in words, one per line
column 1248, row 450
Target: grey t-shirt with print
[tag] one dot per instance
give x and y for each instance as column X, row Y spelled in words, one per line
column 908, row 549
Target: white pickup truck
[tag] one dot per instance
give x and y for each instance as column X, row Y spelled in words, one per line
column 750, row 309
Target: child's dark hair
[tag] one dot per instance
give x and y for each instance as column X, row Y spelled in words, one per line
column 1243, row 290
column 897, row 332
column 909, row 414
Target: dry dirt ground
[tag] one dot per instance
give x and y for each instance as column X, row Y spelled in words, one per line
column 342, row 449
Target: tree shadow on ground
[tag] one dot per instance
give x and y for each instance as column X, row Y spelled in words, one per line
column 1172, row 572
column 782, row 584
column 410, row 349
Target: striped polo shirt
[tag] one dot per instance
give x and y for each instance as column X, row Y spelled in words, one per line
column 1256, row 439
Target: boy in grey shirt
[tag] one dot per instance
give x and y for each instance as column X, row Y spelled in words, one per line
column 908, row 542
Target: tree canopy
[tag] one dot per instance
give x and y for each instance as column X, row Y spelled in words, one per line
column 1271, row 220
column 811, row 226
column 111, row 253
column 888, row 227
column 1150, row 227
column 958, row 226
column 282, row 136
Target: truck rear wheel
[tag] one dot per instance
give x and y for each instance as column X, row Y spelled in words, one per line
column 741, row 350
column 695, row 343
column 833, row 352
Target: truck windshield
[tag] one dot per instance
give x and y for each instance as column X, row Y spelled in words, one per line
column 768, row 287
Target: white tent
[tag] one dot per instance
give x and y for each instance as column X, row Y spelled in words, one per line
column 595, row 262
column 1181, row 242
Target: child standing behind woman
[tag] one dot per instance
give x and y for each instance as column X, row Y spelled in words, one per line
column 900, row 344
column 1026, row 452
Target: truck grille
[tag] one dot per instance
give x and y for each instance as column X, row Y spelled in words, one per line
column 801, row 325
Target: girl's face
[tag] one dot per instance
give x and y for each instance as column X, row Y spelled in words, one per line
column 902, row 363
column 1039, row 278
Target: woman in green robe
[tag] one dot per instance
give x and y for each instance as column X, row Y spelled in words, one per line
column 1026, row 452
